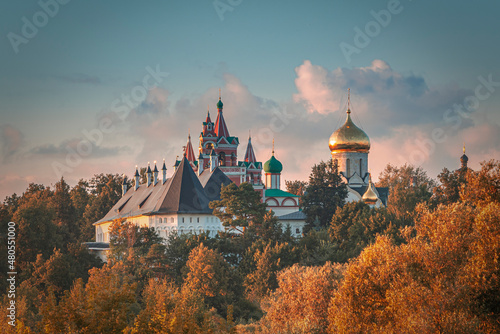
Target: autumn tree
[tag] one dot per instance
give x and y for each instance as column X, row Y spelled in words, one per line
column 209, row 276
column 324, row 193
column 106, row 304
column 169, row 309
column 483, row 186
column 443, row 280
column 300, row 303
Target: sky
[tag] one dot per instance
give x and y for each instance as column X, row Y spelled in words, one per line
column 90, row 87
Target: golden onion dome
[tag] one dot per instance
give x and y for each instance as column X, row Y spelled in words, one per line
column 349, row 138
column 370, row 196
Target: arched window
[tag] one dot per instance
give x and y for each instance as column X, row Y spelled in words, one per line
column 161, row 220
column 348, row 167
column 222, row 159
column 361, row 167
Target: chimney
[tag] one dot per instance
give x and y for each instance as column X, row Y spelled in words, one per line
column 164, row 172
column 136, row 178
column 155, row 175
column 148, row 175
column 124, row 185
column 213, row 160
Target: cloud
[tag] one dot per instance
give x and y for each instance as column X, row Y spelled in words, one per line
column 78, row 145
column 79, row 78
column 378, row 94
column 11, row 141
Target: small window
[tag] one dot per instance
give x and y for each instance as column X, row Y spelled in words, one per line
column 297, row 231
column 198, row 219
column 160, row 221
column 190, row 219
column 172, row 220
column 182, row 221
column 348, row 167
column 360, row 167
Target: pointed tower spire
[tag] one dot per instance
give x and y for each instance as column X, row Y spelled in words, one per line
column 348, row 100
column 188, row 151
column 220, row 124
column 250, row 154
column 164, row 172
column 148, row 174
column 136, row 178
column 155, row 175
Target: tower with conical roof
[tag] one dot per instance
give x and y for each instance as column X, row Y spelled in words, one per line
column 253, row 167
column 349, row 146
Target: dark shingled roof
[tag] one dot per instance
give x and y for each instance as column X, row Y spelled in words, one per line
column 212, row 183
column 182, row 193
column 297, row 215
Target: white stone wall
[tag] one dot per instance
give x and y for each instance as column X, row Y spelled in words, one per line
column 356, row 159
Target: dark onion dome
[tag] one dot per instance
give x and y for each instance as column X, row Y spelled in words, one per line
column 219, row 104
column 273, row 166
column 349, row 138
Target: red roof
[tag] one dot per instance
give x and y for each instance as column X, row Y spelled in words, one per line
column 220, row 125
column 188, row 150
column 250, row 155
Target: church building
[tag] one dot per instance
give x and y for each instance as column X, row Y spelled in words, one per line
column 180, row 203
column 349, row 146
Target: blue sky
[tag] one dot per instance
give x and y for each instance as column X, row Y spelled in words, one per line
column 271, row 59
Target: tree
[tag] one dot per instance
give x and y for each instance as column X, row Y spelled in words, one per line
column 483, row 186
column 296, row 187
column 106, row 191
column 169, row 309
column 239, row 206
column 448, row 191
column 36, row 232
column 356, row 226
column 445, row 279
column 208, row 275
column 64, row 212
column 300, row 303
column 408, row 186
column 106, row 304
column 324, row 193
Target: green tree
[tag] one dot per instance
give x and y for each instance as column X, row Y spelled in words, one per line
column 296, row 187
column 36, row 232
column 324, row 193
column 408, row 186
column 106, row 191
column 239, row 206
column 64, row 212
column 356, row 226
column 448, row 191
